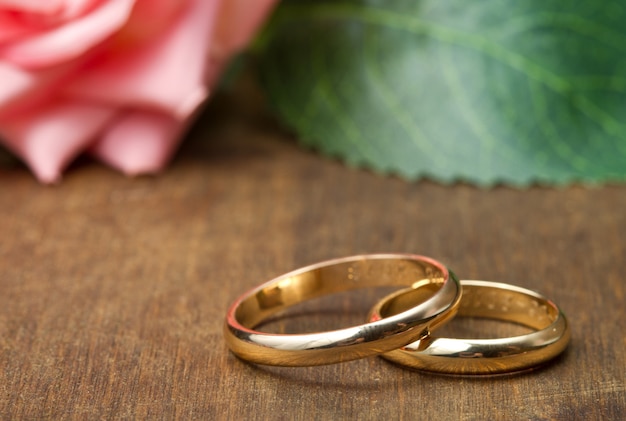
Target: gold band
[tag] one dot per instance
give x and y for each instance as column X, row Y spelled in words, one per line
column 437, row 290
column 485, row 356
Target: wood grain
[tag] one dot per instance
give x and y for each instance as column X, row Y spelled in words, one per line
column 113, row 290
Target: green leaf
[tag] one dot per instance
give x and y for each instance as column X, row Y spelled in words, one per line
column 486, row 91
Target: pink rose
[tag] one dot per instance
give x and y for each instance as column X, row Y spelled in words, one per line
column 118, row 78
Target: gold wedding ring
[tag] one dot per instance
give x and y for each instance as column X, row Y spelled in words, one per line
column 484, row 356
column 436, row 296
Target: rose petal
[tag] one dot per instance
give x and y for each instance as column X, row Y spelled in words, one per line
column 23, row 90
column 11, row 29
column 150, row 18
column 238, row 21
column 15, row 82
column 166, row 74
column 139, row 142
column 71, row 39
column 73, row 8
column 50, row 138
column 162, row 76
column 32, row 6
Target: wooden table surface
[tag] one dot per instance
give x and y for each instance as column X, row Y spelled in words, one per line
column 113, row 290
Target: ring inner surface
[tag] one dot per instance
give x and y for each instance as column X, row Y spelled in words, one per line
column 507, row 305
column 491, row 303
column 299, row 286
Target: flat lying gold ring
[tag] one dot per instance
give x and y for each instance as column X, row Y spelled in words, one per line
column 438, row 290
column 485, row 356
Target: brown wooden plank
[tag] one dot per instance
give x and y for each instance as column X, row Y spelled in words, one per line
column 113, row 290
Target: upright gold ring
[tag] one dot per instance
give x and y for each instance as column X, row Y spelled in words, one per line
column 485, row 356
column 438, row 293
